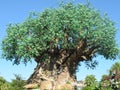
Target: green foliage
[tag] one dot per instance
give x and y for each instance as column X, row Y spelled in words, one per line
column 17, row 84
column 90, row 82
column 67, row 82
column 60, row 28
column 102, row 84
column 115, row 69
column 3, row 84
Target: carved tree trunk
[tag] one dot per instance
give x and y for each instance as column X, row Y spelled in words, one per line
column 57, row 72
column 51, row 79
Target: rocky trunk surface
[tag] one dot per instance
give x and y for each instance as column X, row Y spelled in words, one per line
column 52, row 79
column 57, row 72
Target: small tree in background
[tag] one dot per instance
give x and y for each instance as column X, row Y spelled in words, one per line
column 90, row 82
column 115, row 69
column 17, row 84
column 3, row 84
column 104, row 84
column 59, row 39
column 112, row 80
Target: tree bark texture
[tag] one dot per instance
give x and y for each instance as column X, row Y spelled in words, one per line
column 58, row 71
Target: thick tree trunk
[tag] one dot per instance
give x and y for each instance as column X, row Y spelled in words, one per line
column 58, row 71
column 54, row 76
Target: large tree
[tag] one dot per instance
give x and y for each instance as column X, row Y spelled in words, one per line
column 59, row 39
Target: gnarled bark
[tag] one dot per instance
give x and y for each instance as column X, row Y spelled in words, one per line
column 59, row 69
column 51, row 78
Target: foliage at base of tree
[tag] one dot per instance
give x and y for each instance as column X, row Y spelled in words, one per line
column 112, row 79
column 3, row 84
column 91, row 83
column 17, row 84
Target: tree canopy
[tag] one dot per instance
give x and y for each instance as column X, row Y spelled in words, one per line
column 69, row 27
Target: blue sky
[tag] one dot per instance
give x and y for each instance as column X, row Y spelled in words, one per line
column 15, row 11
